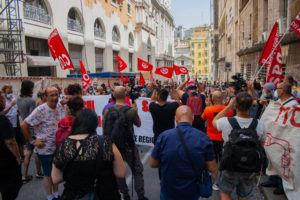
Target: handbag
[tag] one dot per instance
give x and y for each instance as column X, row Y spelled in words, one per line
column 204, row 179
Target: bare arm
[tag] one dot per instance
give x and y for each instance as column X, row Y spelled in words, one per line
column 118, row 163
column 56, row 175
column 154, row 96
column 174, row 94
column 223, row 112
column 154, row 163
column 13, row 148
column 6, row 110
column 26, row 132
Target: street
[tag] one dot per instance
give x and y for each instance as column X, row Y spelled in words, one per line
column 34, row 189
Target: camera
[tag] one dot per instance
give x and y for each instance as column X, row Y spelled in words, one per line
column 238, row 83
column 134, row 92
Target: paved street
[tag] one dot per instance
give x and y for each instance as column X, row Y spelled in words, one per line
column 34, row 189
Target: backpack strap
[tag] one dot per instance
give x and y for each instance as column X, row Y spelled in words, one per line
column 124, row 109
column 233, row 122
column 253, row 124
column 288, row 101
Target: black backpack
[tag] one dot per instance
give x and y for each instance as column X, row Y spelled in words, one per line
column 243, row 152
column 117, row 128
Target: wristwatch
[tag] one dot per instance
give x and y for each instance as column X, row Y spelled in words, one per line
column 32, row 142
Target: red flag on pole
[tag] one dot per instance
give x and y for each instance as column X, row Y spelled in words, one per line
column 58, row 51
column 142, row 80
column 164, row 71
column 266, row 58
column 180, row 70
column 144, row 66
column 295, row 26
column 86, row 81
column 122, row 78
column 151, row 77
column 121, row 64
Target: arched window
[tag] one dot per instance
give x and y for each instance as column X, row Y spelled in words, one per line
column 115, row 34
column 98, row 29
column 36, row 11
column 130, row 40
column 74, row 21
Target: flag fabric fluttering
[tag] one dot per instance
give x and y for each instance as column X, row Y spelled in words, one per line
column 142, row 80
column 180, row 70
column 295, row 26
column 164, row 71
column 144, row 66
column 151, row 77
column 86, row 81
column 121, row 64
column 126, row 79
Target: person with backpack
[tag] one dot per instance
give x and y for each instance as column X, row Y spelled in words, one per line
column 118, row 121
column 193, row 98
column 243, row 151
column 75, row 104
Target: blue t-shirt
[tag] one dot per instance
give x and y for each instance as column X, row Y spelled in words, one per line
column 178, row 178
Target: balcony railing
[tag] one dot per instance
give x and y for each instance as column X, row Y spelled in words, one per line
column 115, row 37
column 98, row 33
column 36, row 14
column 74, row 25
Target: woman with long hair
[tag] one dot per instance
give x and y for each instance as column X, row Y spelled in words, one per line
column 83, row 157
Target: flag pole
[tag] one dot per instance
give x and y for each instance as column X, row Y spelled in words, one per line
column 263, row 65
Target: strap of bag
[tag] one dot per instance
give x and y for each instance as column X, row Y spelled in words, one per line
column 124, row 109
column 187, row 153
column 288, row 101
column 253, row 124
column 233, row 122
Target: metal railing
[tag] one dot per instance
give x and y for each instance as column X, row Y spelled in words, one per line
column 99, row 33
column 75, row 25
column 36, row 14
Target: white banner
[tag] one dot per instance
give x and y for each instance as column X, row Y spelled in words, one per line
column 283, row 146
column 144, row 134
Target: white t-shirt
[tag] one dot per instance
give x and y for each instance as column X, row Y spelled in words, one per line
column 224, row 126
column 290, row 103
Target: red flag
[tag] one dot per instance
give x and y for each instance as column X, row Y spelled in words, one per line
column 180, row 70
column 121, row 64
column 151, row 77
column 58, row 51
column 109, row 85
column 122, row 78
column 144, row 66
column 86, row 81
column 269, row 46
column 295, row 26
column 164, row 71
column 126, row 80
column 142, row 80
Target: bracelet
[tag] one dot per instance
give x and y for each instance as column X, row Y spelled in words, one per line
column 32, row 142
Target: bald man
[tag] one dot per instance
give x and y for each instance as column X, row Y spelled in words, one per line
column 44, row 119
column 209, row 114
column 178, row 177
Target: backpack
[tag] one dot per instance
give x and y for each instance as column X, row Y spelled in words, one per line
column 117, row 128
column 195, row 103
column 243, row 152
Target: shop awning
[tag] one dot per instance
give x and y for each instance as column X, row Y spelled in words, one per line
column 41, row 61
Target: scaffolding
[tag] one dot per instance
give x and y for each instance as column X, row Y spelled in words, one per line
column 11, row 52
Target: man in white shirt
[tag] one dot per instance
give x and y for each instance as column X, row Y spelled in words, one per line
column 244, row 182
column 285, row 97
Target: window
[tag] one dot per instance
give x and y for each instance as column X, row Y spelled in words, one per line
column 36, row 11
column 199, row 71
column 193, row 55
column 129, row 9
column 199, row 62
column 248, row 73
column 75, row 52
column 36, row 47
column 206, row 63
column 115, row 61
column 193, row 47
column 199, row 54
column 243, row 69
column 206, row 71
column 193, row 63
column 130, row 62
column 99, row 59
column 199, row 46
column 114, row 3
column 149, row 44
column 115, row 35
column 130, row 40
column 74, row 21
column 98, row 30
column 205, row 45
column 182, row 62
column 205, row 54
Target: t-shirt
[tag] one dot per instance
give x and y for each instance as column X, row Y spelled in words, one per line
column 185, row 97
column 163, row 117
column 289, row 102
column 12, row 114
column 5, row 133
column 132, row 116
column 209, row 115
column 45, row 120
column 25, row 106
column 178, row 177
column 224, row 126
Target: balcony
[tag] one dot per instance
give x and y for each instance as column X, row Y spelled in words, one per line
column 98, row 33
column 36, row 14
column 74, row 25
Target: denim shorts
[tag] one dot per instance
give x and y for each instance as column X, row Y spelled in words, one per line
column 46, row 162
column 243, row 182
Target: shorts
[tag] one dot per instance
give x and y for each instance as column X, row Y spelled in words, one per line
column 243, row 182
column 19, row 136
column 29, row 146
column 46, row 162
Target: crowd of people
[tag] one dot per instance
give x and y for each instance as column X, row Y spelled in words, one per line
column 218, row 132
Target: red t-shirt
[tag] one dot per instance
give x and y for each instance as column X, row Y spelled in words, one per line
column 209, row 115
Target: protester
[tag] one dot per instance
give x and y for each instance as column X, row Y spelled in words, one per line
column 178, row 177
column 266, row 97
column 84, row 156
column 44, row 119
column 65, row 125
column 26, row 105
column 10, row 159
column 194, row 99
column 43, row 98
column 235, row 172
column 148, row 91
column 73, row 90
column 130, row 153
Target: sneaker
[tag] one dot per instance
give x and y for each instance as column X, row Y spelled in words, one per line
column 27, row 179
column 215, row 187
column 39, row 175
column 143, row 198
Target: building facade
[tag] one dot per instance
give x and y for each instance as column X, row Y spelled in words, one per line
column 242, row 28
column 95, row 31
column 200, row 46
column 182, row 56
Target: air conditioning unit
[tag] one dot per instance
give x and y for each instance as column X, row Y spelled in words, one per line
column 264, row 36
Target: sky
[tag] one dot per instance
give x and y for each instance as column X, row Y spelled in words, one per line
column 191, row 13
